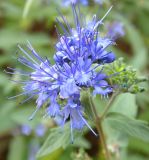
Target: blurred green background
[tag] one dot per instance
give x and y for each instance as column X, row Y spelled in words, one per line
column 35, row 21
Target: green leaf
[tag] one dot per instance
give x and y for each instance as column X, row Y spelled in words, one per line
column 18, row 149
column 138, row 146
column 6, row 122
column 125, row 104
column 27, row 7
column 55, row 155
column 136, row 157
column 140, row 52
column 85, row 101
column 57, row 138
column 139, row 59
column 128, row 126
column 9, row 38
column 21, row 116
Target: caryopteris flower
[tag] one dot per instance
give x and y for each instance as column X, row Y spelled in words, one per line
column 115, row 30
column 69, row 2
column 99, row 1
column 79, row 64
column 39, row 130
column 83, row 41
column 83, row 2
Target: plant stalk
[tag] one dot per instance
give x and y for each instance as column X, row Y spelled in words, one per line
column 109, row 105
column 98, row 124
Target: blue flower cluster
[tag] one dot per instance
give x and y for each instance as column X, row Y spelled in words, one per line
column 115, row 30
column 83, row 2
column 39, row 130
column 68, row 2
column 79, row 63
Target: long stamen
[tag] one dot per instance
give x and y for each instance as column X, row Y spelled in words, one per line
column 64, row 20
column 28, row 98
column 16, row 73
column 71, row 129
column 34, row 113
column 99, row 22
column 26, row 63
column 62, row 26
column 27, row 54
column 23, row 93
column 36, row 55
column 87, row 124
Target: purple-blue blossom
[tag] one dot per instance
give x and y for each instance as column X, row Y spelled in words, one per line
column 115, row 30
column 39, row 130
column 69, row 2
column 83, row 41
column 99, row 1
column 34, row 147
column 83, row 2
column 81, row 53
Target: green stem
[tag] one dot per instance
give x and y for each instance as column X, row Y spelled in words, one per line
column 100, row 130
column 109, row 105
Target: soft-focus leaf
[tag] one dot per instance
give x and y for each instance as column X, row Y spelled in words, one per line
column 6, row 122
column 55, row 155
column 18, row 148
column 140, row 52
column 129, row 126
column 21, row 116
column 139, row 59
column 139, row 146
column 10, row 38
column 135, row 157
column 27, row 7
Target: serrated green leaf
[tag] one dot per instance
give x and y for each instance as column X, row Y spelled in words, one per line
column 55, row 155
column 128, row 126
column 125, row 104
column 57, row 138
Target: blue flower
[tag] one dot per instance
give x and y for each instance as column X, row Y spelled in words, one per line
column 115, row 30
column 83, row 41
column 68, row 2
column 34, row 147
column 39, row 130
column 26, row 129
column 79, row 64
column 83, row 2
column 54, row 107
column 99, row 1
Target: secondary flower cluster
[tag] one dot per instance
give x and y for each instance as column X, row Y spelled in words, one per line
column 83, row 2
column 68, row 2
column 79, row 61
column 39, row 130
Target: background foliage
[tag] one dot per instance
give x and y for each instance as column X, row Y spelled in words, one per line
column 34, row 21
